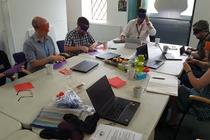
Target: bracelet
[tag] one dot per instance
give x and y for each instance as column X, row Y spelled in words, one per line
column 188, row 71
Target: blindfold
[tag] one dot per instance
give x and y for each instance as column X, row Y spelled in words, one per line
column 196, row 31
column 142, row 15
column 84, row 27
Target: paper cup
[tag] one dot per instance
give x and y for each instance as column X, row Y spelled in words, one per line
column 49, row 68
column 137, row 91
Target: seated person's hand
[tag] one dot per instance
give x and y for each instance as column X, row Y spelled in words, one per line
column 191, row 61
column 122, row 38
column 2, row 75
column 84, row 49
column 92, row 48
column 186, row 67
column 57, row 58
column 24, row 70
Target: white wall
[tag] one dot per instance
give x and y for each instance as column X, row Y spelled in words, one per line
column 201, row 12
column 21, row 13
column 115, row 19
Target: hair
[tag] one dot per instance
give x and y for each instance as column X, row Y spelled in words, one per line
column 82, row 21
column 142, row 11
column 201, row 25
column 37, row 21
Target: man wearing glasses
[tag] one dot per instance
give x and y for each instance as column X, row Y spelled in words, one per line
column 79, row 40
column 39, row 49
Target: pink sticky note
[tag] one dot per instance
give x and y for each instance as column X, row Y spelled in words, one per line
column 23, row 86
column 116, row 82
column 65, row 71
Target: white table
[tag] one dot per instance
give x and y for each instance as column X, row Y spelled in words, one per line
column 47, row 86
column 8, row 126
column 171, row 67
column 23, row 135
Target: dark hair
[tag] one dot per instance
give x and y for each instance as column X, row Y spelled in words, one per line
column 83, row 23
column 201, row 25
column 142, row 13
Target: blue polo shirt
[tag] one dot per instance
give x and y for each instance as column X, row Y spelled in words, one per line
column 35, row 49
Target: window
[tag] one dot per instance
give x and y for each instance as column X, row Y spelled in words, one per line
column 95, row 10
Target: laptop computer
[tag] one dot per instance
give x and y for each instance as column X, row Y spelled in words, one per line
column 151, row 63
column 84, row 66
column 169, row 56
column 107, row 55
column 132, row 43
column 108, row 106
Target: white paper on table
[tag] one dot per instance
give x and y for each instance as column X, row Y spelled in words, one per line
column 168, row 85
column 107, row 132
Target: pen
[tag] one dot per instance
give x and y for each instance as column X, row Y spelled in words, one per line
column 159, row 78
column 113, row 48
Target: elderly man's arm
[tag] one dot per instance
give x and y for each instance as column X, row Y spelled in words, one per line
column 31, row 57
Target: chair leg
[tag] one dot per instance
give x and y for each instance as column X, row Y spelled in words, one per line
column 179, row 125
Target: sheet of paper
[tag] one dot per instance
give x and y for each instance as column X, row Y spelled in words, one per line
column 107, row 132
column 163, row 84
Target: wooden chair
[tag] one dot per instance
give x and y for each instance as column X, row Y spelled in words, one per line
column 201, row 107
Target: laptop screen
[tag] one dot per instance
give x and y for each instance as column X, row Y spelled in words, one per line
column 142, row 50
column 100, row 93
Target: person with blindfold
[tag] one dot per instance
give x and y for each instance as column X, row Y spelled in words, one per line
column 39, row 49
column 201, row 32
column 140, row 28
column 79, row 40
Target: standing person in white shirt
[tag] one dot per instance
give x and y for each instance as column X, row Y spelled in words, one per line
column 140, row 28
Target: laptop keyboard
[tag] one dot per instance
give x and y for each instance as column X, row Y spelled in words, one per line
column 116, row 109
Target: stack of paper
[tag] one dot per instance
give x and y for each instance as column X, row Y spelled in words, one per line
column 107, row 132
column 163, row 84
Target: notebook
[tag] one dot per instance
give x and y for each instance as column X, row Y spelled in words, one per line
column 169, row 56
column 84, row 66
column 151, row 63
column 163, row 84
column 108, row 106
column 107, row 55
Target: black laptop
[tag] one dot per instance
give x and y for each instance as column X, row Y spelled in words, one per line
column 108, row 106
column 107, row 55
column 84, row 66
column 151, row 63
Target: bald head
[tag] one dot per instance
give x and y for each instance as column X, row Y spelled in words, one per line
column 38, row 21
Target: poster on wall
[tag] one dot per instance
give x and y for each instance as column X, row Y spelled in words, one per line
column 122, row 5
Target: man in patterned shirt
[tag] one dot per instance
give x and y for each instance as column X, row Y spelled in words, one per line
column 79, row 40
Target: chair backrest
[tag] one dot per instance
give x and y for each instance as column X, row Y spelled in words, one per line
column 19, row 57
column 60, row 44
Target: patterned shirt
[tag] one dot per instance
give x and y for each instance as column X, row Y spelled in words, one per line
column 73, row 39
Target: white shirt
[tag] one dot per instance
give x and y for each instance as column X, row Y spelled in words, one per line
column 142, row 31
